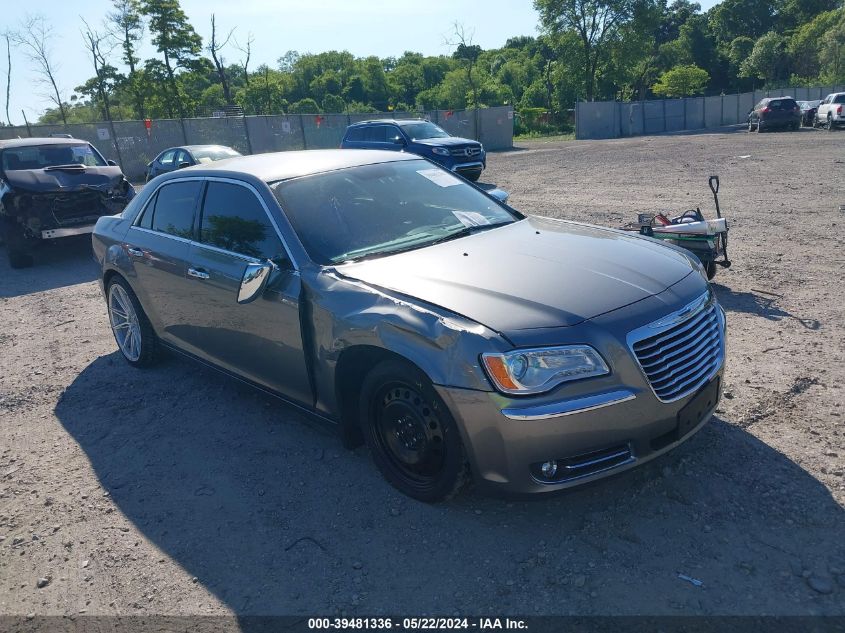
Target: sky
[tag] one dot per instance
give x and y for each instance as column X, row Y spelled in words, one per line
column 383, row 28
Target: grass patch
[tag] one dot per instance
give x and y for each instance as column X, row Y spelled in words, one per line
column 545, row 138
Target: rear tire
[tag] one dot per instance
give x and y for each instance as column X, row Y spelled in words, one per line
column 411, row 434
column 710, row 268
column 132, row 331
column 829, row 123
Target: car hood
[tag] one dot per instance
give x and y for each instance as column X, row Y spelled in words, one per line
column 536, row 273
column 449, row 141
column 60, row 180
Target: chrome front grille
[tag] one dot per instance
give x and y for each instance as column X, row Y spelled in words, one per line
column 469, row 152
column 680, row 353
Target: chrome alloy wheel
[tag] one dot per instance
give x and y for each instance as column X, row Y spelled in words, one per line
column 124, row 322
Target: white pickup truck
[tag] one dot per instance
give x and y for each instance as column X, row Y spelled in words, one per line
column 831, row 111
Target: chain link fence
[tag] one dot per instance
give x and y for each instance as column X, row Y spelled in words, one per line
column 613, row 119
column 132, row 145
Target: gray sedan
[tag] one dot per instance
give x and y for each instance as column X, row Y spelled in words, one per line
column 458, row 338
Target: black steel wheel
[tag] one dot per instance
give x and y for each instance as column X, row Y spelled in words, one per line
column 411, row 434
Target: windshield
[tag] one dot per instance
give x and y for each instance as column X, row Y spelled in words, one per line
column 41, row 156
column 376, row 210
column 424, row 129
column 211, row 154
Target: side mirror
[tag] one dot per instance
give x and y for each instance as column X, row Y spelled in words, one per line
column 183, row 164
column 254, row 281
column 399, row 141
column 111, row 163
column 500, row 194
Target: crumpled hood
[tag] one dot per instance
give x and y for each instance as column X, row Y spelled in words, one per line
column 536, row 273
column 445, row 142
column 60, row 180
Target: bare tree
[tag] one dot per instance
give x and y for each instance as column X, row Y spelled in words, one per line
column 214, row 47
column 8, row 37
column 34, row 38
column 99, row 45
column 246, row 49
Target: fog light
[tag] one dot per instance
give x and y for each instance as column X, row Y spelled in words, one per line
column 549, row 469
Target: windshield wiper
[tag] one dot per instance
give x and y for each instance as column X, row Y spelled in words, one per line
column 467, row 230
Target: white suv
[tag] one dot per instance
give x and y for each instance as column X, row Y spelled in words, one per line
column 831, row 111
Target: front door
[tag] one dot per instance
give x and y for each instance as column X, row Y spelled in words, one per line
column 262, row 340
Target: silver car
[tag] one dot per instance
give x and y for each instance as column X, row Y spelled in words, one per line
column 458, row 338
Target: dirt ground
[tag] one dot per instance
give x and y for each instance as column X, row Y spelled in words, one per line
column 179, row 491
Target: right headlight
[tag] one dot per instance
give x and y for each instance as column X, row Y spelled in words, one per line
column 531, row 371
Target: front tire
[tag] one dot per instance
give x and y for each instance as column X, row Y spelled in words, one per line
column 132, row 331
column 412, row 436
column 17, row 248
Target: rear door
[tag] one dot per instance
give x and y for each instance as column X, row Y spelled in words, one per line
column 158, row 245
column 262, row 340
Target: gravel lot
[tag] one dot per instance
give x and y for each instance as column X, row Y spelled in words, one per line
column 178, row 491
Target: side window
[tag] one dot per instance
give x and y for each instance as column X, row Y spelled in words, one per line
column 182, row 157
column 146, row 221
column 234, row 219
column 355, row 134
column 393, row 133
column 173, row 212
column 376, row 134
column 167, row 158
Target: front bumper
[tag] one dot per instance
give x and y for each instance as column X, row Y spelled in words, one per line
column 50, row 234
column 601, row 426
column 611, row 432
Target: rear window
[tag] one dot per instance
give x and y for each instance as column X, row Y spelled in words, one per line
column 783, row 104
column 839, row 99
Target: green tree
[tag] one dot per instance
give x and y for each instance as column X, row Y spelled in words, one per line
column 127, row 26
column 176, row 40
column 768, row 58
column 333, row 103
column 808, row 41
column 596, row 22
column 305, row 106
column 681, row 81
column 832, row 53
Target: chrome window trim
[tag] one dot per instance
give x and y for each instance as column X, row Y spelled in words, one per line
column 705, row 301
column 232, row 181
column 167, row 235
column 569, row 407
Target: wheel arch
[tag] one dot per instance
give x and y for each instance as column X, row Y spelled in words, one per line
column 353, row 365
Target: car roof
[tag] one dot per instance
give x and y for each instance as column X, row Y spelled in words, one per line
column 391, row 121
column 27, row 142
column 285, row 165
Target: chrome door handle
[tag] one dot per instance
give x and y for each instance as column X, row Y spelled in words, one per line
column 137, row 252
column 198, row 273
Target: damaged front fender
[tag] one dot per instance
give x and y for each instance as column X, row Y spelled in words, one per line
column 348, row 314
